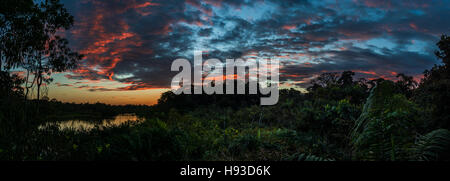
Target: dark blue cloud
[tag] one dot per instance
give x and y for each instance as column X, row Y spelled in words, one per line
column 135, row 41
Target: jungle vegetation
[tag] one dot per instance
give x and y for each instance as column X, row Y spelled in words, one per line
column 338, row 118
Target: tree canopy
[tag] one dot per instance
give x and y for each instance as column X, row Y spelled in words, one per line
column 30, row 41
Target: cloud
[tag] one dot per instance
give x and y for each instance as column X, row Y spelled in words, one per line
column 134, row 42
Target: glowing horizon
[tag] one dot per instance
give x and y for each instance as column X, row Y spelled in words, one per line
column 129, row 46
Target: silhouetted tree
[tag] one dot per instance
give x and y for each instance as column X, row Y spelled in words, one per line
column 10, row 85
column 374, row 82
column 346, row 78
column 434, row 90
column 15, row 31
column 444, row 49
column 406, row 84
column 331, row 86
column 324, row 80
column 30, row 41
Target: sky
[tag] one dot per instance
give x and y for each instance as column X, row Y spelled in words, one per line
column 129, row 45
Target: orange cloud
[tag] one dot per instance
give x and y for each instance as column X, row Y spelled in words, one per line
column 146, row 4
column 413, row 26
column 365, row 72
column 289, row 27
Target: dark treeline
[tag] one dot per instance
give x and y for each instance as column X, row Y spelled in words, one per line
column 339, row 118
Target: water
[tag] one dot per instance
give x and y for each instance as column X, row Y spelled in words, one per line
column 84, row 125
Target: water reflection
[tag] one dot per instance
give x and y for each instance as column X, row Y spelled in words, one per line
column 84, row 125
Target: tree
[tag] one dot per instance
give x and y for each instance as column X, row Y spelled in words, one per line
column 34, row 45
column 15, row 34
column 324, row 80
column 331, row 86
column 346, row 78
column 444, row 50
column 406, row 84
column 434, row 90
column 10, row 85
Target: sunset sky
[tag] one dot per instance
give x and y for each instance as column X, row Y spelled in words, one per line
column 130, row 44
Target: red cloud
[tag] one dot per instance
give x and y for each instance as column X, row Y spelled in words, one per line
column 143, row 5
column 289, row 27
column 413, row 26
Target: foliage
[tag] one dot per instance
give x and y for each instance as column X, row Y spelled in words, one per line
column 29, row 40
column 433, row 146
column 305, row 157
column 434, row 90
column 385, row 128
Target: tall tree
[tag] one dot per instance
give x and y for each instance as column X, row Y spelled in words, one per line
column 324, row 80
column 406, row 84
column 34, row 44
column 346, row 78
column 15, row 31
column 434, row 90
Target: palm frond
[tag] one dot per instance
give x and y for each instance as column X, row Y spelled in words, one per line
column 433, row 146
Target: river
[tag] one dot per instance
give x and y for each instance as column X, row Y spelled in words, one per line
column 85, row 125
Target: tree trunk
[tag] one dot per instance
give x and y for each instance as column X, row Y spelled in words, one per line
column 39, row 85
column 27, row 89
column 39, row 80
column 38, row 91
column 1, row 61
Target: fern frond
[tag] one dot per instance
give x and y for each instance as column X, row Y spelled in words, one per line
column 433, row 146
column 306, row 157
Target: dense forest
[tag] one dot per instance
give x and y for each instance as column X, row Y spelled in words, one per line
column 338, row 118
